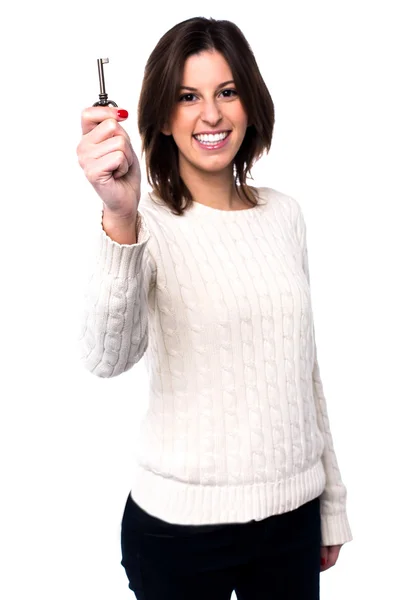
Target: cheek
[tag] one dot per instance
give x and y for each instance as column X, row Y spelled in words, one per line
column 184, row 117
column 184, row 128
column 238, row 113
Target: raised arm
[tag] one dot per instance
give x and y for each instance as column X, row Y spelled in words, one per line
column 114, row 331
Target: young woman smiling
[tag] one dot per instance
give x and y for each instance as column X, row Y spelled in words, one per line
column 237, row 485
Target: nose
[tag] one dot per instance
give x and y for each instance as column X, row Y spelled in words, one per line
column 211, row 112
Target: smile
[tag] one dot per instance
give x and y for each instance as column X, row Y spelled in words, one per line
column 210, row 142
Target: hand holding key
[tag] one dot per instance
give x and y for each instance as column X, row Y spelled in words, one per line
column 106, row 155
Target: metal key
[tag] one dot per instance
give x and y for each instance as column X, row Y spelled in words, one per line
column 103, row 96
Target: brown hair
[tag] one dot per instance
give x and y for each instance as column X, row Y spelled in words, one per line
column 160, row 88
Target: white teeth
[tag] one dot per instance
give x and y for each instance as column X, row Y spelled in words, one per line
column 211, row 139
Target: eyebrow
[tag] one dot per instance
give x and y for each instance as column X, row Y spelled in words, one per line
column 192, row 89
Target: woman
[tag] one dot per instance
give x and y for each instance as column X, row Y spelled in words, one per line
column 237, row 485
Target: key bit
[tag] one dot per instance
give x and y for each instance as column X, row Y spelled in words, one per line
column 103, row 96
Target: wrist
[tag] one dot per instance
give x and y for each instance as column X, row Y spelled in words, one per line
column 120, row 229
column 117, row 219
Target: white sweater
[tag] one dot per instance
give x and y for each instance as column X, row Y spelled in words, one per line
column 218, row 303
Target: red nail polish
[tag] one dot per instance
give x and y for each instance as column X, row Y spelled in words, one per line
column 323, row 562
column 123, row 114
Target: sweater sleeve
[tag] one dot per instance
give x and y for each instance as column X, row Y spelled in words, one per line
column 335, row 528
column 114, row 330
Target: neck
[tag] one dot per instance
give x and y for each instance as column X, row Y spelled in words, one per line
column 216, row 190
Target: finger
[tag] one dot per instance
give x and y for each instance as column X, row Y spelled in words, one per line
column 91, row 143
column 122, row 169
column 330, row 555
column 112, row 145
column 105, row 130
column 324, row 558
column 333, row 555
column 100, row 171
column 93, row 115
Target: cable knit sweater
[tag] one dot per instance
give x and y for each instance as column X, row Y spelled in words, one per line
column 218, row 304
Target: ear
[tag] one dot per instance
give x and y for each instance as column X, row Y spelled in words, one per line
column 165, row 130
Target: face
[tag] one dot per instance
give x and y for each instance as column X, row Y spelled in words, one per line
column 207, row 107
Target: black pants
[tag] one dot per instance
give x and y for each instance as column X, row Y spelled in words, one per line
column 277, row 558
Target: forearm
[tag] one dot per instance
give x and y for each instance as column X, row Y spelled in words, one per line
column 335, row 526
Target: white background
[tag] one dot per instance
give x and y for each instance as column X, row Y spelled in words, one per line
column 68, row 438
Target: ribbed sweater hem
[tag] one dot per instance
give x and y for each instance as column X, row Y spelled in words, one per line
column 194, row 504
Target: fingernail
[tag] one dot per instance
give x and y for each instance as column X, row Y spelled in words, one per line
column 323, row 562
column 123, row 114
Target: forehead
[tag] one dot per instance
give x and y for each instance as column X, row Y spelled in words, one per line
column 206, row 68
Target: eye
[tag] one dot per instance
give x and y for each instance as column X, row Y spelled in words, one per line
column 181, row 98
column 185, row 96
column 234, row 92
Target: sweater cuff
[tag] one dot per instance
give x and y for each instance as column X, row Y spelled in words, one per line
column 335, row 530
column 123, row 260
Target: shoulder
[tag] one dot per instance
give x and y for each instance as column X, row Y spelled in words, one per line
column 287, row 205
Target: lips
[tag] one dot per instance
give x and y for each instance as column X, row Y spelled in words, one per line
column 214, row 146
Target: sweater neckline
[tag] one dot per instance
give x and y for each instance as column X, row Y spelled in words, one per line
column 200, row 210
column 205, row 206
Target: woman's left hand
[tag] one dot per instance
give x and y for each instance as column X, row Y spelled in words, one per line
column 329, row 556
